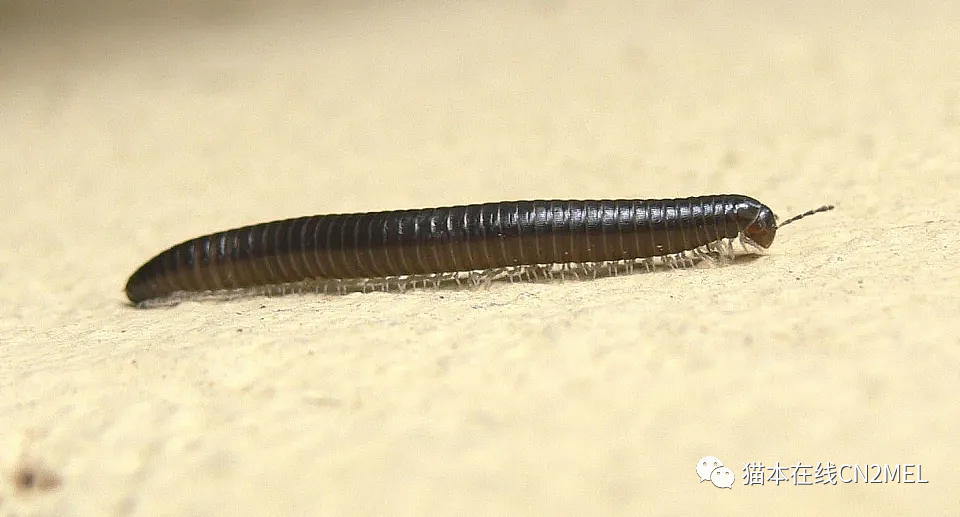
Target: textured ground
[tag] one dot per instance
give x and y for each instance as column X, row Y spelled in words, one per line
column 125, row 130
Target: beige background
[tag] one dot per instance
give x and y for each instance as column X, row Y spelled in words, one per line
column 124, row 130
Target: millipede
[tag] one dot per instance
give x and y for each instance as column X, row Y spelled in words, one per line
column 466, row 244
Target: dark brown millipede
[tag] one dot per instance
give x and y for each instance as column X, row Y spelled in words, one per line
column 467, row 243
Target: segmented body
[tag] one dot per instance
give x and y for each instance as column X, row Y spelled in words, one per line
column 373, row 248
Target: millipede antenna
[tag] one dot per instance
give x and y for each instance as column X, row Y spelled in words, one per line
column 824, row 208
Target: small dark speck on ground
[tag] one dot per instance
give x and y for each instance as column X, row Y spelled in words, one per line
column 34, row 478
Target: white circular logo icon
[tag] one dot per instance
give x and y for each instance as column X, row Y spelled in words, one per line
column 706, row 465
column 722, row 477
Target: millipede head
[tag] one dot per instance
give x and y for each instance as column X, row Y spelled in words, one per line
column 762, row 228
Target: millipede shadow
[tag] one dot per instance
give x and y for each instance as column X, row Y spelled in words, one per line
column 741, row 260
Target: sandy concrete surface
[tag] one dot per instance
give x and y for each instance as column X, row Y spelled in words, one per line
column 126, row 129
